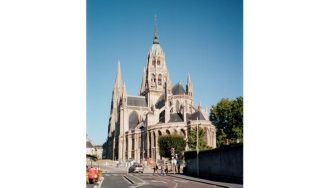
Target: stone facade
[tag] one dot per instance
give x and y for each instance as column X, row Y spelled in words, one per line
column 136, row 122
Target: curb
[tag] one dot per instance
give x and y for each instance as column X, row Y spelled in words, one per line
column 198, row 180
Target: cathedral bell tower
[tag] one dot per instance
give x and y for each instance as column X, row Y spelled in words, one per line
column 155, row 72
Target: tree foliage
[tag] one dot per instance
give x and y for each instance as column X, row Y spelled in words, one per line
column 227, row 116
column 192, row 139
column 166, row 142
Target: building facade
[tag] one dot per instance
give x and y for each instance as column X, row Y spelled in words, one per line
column 136, row 122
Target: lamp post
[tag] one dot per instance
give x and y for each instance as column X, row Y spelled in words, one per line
column 197, row 149
column 142, row 138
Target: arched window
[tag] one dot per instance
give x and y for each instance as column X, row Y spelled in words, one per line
column 183, row 133
column 153, row 78
column 158, row 62
column 154, row 135
column 133, row 120
column 162, row 117
column 153, row 62
column 177, row 105
column 159, row 79
column 168, row 132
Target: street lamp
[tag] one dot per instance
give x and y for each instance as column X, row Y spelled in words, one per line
column 197, row 149
column 142, row 138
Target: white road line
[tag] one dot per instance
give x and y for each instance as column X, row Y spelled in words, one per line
column 126, row 180
column 158, row 181
column 137, row 184
column 182, row 181
column 140, row 179
column 176, row 185
column 100, row 184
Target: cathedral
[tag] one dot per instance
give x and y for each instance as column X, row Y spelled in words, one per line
column 136, row 122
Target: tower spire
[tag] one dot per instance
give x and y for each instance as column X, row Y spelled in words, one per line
column 118, row 76
column 156, row 38
column 188, row 79
column 124, row 90
column 189, row 89
column 143, row 84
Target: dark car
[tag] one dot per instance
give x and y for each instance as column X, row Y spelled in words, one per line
column 135, row 168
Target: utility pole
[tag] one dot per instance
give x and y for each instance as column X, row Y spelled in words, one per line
column 197, row 149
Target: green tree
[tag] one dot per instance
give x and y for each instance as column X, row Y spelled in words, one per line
column 192, row 139
column 227, row 116
column 166, row 142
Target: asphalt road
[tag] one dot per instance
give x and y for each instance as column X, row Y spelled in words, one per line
column 122, row 180
column 117, row 177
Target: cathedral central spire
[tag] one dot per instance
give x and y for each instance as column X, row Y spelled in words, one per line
column 118, row 76
column 156, row 38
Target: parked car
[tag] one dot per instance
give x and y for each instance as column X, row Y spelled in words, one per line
column 135, row 168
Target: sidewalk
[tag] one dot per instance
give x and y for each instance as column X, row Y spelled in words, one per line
column 220, row 184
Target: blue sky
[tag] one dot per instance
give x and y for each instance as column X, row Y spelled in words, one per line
column 204, row 38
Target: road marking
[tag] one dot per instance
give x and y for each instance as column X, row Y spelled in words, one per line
column 176, row 185
column 100, row 184
column 140, row 179
column 158, row 181
column 106, row 174
column 128, row 180
column 182, row 181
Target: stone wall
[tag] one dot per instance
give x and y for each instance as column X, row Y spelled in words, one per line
column 222, row 164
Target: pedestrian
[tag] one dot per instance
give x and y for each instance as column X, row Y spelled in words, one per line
column 155, row 168
column 178, row 164
column 166, row 169
column 162, row 169
column 173, row 165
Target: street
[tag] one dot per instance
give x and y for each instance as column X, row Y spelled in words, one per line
column 117, row 177
column 148, row 180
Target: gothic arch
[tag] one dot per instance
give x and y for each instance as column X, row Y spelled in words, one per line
column 153, row 78
column 155, row 140
column 168, row 132
column 159, row 79
column 177, row 106
column 206, row 138
column 133, row 120
column 183, row 133
column 162, row 116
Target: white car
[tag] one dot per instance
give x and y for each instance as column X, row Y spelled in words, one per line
column 135, row 168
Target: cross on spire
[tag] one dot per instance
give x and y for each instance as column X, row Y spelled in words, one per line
column 156, row 40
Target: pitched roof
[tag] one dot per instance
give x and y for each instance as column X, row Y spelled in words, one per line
column 136, row 101
column 176, row 117
column 196, row 115
column 178, row 89
column 89, row 144
column 160, row 104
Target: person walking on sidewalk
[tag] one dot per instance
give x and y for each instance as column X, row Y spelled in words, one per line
column 162, row 169
column 155, row 169
column 166, row 169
